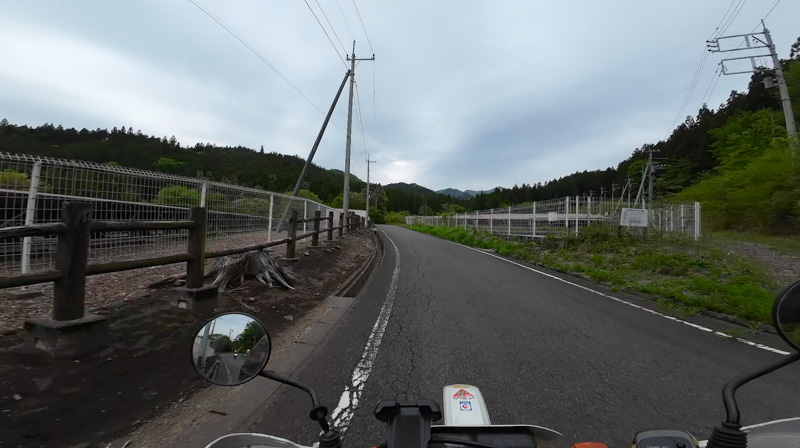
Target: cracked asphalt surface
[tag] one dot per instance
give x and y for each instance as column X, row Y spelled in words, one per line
column 542, row 352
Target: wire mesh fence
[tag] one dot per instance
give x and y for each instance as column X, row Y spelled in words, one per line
column 33, row 190
column 568, row 215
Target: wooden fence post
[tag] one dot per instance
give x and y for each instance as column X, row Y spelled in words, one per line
column 290, row 246
column 315, row 238
column 330, row 226
column 195, row 268
column 72, row 256
column 341, row 223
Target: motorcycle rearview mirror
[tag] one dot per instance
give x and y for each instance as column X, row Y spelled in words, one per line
column 231, row 349
column 786, row 315
column 786, row 318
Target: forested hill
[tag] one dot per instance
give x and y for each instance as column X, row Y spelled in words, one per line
column 691, row 152
column 736, row 160
column 239, row 165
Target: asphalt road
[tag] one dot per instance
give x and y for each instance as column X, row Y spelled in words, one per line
column 229, row 368
column 542, row 352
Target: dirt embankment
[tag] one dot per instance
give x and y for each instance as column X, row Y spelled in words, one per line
column 82, row 402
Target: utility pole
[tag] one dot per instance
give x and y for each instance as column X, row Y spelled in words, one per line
column 602, row 192
column 630, row 186
column 752, row 42
column 788, row 114
column 346, row 199
column 369, row 162
column 650, row 179
column 613, row 190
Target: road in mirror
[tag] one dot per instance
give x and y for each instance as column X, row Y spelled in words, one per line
column 231, row 349
column 787, row 315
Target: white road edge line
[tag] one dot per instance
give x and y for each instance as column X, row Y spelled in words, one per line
column 352, row 393
column 617, row 299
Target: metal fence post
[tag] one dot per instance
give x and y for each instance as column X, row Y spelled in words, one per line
column 203, row 194
column 290, row 246
column 341, row 223
column 671, row 220
column 315, row 238
column 577, row 204
column 269, row 230
column 305, row 215
column 683, row 222
column 491, row 221
column 72, row 256
column 534, row 218
column 197, row 247
column 696, row 220
column 30, row 215
column 330, row 226
column 476, row 221
column 509, row 220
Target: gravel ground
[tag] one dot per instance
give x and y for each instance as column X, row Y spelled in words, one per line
column 784, row 268
column 145, row 369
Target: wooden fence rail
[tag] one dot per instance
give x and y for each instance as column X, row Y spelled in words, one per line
column 72, row 253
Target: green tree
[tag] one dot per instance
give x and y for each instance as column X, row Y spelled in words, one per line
column 303, row 193
column 451, row 209
column 178, row 195
column 221, row 343
column 167, row 165
column 396, row 217
column 794, row 53
column 14, row 180
column 357, row 201
column 253, row 332
column 425, row 210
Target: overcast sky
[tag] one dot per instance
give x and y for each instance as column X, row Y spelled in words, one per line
column 468, row 95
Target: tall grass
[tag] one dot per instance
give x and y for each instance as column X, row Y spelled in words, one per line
column 695, row 275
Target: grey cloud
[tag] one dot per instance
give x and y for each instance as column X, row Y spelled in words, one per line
column 469, row 94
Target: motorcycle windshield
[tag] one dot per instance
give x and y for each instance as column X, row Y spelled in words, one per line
column 252, row 440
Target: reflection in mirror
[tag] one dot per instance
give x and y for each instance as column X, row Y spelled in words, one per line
column 231, row 349
column 787, row 315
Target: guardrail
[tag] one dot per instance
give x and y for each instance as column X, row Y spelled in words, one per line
column 72, row 254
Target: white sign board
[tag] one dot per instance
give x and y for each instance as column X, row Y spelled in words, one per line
column 633, row 217
column 552, row 217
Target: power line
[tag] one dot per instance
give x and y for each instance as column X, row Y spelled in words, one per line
column 733, row 17
column 712, row 85
column 374, row 113
column 255, row 52
column 361, row 121
column 363, row 27
column 721, row 20
column 725, row 23
column 770, row 11
column 331, row 26
column 352, row 36
column 687, row 99
column 326, row 34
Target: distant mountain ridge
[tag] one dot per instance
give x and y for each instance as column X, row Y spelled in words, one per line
column 466, row 194
column 410, row 188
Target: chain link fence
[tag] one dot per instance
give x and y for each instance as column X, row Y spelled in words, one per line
column 33, row 190
column 568, row 215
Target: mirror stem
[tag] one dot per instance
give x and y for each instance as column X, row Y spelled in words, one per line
column 729, row 391
column 282, row 379
column 318, row 413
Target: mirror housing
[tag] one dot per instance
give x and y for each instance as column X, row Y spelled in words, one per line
column 230, row 349
column 786, row 315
